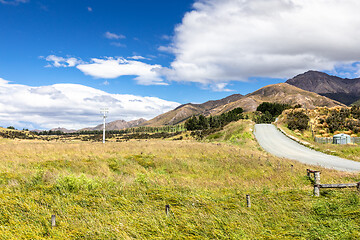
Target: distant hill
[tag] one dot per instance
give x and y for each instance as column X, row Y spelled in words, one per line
column 116, row 125
column 281, row 93
column 185, row 111
column 18, row 134
column 64, row 130
column 346, row 91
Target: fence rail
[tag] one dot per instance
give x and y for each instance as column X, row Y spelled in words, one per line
column 317, row 184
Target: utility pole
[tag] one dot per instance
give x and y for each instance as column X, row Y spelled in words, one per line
column 104, row 111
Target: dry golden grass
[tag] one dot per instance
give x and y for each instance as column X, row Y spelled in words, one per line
column 119, row 191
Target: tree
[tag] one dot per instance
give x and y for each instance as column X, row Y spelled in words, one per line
column 297, row 120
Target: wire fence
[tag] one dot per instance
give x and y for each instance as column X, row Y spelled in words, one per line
column 330, row 140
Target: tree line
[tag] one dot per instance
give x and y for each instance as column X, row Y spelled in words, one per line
column 267, row 112
column 203, row 123
column 143, row 129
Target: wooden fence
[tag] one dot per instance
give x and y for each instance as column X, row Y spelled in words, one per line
column 317, row 185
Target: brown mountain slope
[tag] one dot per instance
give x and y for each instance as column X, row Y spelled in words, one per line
column 117, row 125
column 281, row 93
column 185, row 111
column 345, row 91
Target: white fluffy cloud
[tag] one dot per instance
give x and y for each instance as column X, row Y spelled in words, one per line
column 146, row 74
column 56, row 61
column 70, row 105
column 109, row 68
column 234, row 40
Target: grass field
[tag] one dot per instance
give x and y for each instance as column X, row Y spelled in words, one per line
column 119, row 191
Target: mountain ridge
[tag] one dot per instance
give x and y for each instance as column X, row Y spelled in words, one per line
column 281, row 93
column 344, row 90
column 116, row 125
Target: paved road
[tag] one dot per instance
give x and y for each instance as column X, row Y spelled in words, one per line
column 276, row 143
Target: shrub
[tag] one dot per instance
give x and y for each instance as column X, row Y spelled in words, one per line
column 72, row 183
column 337, row 119
column 297, row 120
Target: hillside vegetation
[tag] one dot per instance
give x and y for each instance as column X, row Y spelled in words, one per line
column 324, row 123
column 357, row 103
column 119, row 191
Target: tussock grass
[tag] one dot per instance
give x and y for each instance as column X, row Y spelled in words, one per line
column 119, row 191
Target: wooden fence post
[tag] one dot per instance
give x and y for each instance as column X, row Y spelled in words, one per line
column 316, row 190
column 248, row 202
column 53, row 221
column 167, row 210
column 317, row 183
column 317, row 177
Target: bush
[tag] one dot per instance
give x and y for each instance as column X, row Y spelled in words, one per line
column 270, row 111
column 337, row 119
column 355, row 112
column 264, row 118
column 297, row 120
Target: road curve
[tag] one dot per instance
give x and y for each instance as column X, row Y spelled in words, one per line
column 276, row 143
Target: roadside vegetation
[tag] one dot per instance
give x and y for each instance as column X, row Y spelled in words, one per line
column 119, row 190
column 324, row 122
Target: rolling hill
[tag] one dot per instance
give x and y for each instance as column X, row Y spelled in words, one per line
column 281, row 93
column 346, row 91
column 185, row 111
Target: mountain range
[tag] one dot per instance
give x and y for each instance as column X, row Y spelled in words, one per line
column 311, row 89
column 116, row 125
column 281, row 93
column 346, row 91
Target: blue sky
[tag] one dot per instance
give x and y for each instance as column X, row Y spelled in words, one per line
column 161, row 52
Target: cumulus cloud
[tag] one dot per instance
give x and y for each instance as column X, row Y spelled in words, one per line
column 110, row 35
column 146, row 74
column 238, row 40
column 56, row 61
column 109, row 68
column 71, row 105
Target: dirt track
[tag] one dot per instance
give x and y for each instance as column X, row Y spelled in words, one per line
column 276, row 143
